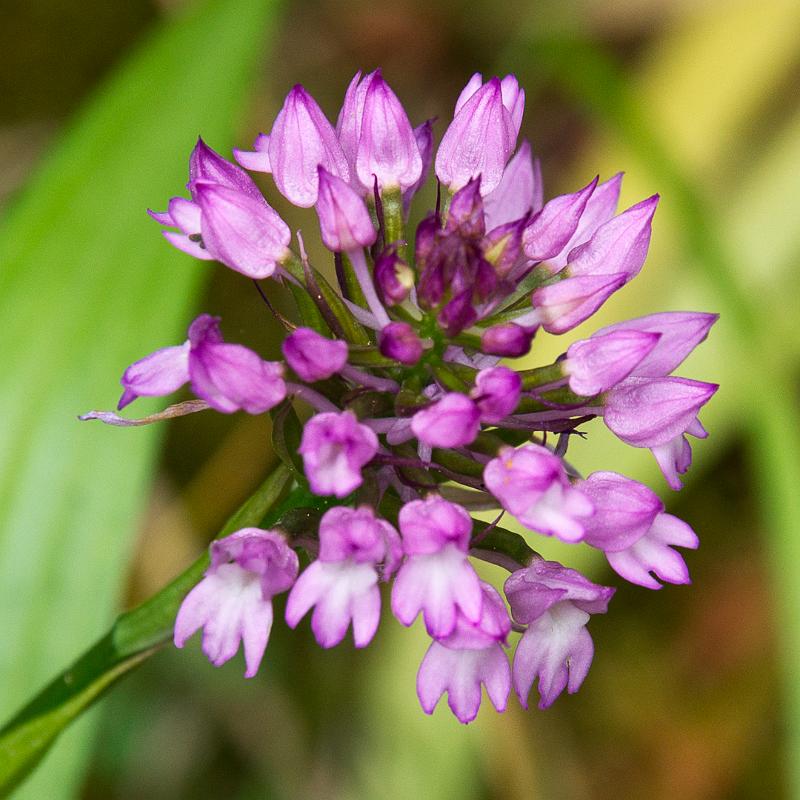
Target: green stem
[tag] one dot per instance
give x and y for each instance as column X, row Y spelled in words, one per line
column 392, row 202
column 542, row 376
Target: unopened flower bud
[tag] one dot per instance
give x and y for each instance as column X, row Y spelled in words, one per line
column 343, row 218
column 313, row 357
column 507, row 339
column 301, row 140
column 479, row 140
column 395, row 279
column 387, row 148
column 206, row 164
column 399, row 341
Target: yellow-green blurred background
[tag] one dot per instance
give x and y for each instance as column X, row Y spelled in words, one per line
column 694, row 690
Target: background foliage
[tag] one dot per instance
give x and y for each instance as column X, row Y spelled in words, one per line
column 694, row 691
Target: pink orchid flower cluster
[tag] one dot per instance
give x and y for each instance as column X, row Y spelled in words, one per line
column 414, row 421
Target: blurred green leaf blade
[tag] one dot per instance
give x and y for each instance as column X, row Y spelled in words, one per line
column 86, row 286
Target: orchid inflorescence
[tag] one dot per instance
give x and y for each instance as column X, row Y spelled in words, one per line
column 414, row 421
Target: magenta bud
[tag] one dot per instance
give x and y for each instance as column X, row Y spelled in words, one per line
column 519, row 190
column 394, row 277
column 507, row 339
column 619, row 246
column 595, row 365
column 301, row 140
column 563, row 305
column 399, row 341
column 680, row 332
column 452, row 421
column 624, row 510
column 648, row 412
column 206, row 164
column 503, row 246
column 457, row 314
column 599, row 209
column 497, row 391
column 466, row 211
column 312, row 356
column 478, row 141
column 343, row 217
column 425, row 238
column 387, row 148
column 551, row 229
column 241, row 231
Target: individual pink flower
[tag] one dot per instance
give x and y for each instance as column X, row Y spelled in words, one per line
column 629, row 524
column 618, row 246
column 312, row 356
column 228, row 377
column 334, row 448
column 531, row 484
column 496, row 393
column 342, row 584
column 555, row 603
column 478, row 141
column 452, row 421
column 227, row 218
column 549, row 231
column 679, row 333
column 597, row 364
column 468, row 657
column 233, row 601
column 518, row 192
column 657, row 413
column 436, row 577
column 387, row 147
column 301, row 140
column 241, row 231
column 343, row 218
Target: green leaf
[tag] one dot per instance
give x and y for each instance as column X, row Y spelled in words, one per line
column 88, row 285
column 135, row 635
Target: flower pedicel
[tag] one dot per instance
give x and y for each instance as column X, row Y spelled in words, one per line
column 413, row 421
